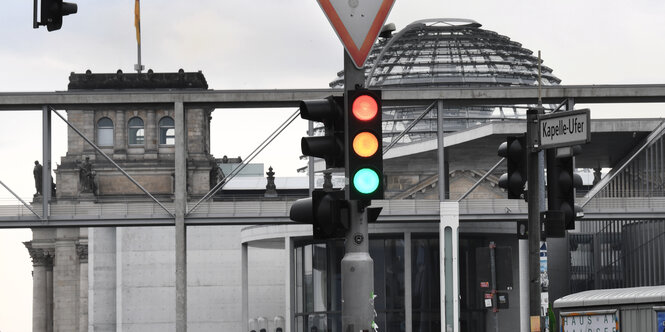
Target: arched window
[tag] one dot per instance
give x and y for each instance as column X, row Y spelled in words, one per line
column 166, row 131
column 136, row 133
column 105, row 132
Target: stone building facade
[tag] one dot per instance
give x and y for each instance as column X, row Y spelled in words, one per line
column 141, row 142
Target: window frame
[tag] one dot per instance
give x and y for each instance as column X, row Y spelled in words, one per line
column 105, row 129
column 164, row 138
column 133, row 131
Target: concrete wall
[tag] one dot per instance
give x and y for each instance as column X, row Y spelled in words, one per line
column 132, row 279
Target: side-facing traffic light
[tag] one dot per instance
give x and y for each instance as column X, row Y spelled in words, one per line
column 561, row 184
column 52, row 12
column 364, row 144
column 515, row 152
column 330, row 147
column 326, row 211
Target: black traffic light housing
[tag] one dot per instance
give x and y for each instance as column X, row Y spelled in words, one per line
column 364, row 144
column 515, row 151
column 561, row 184
column 330, row 147
column 52, row 12
column 326, row 211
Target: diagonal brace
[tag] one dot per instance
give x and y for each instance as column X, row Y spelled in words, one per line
column 113, row 163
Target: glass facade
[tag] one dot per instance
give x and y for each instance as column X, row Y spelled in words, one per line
column 318, row 283
column 425, row 285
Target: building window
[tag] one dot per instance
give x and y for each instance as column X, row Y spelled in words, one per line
column 166, row 131
column 136, row 132
column 105, row 132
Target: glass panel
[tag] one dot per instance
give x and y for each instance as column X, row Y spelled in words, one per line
column 307, row 278
column 299, row 280
column 319, row 280
column 337, row 253
column 105, row 132
column 105, row 136
column 167, row 136
column 105, row 123
column 136, row 134
column 394, row 265
column 317, row 323
column 166, row 131
column 425, row 285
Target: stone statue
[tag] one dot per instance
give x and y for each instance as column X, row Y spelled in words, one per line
column 87, row 177
column 37, row 172
column 271, row 189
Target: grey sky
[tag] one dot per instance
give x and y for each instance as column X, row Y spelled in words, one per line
column 274, row 44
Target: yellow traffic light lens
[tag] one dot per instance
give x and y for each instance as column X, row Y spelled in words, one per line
column 365, row 144
column 365, row 108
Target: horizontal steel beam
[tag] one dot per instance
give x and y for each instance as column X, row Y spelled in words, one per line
column 633, row 93
column 27, row 222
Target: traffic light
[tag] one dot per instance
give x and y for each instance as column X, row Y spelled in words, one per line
column 515, row 152
column 326, row 211
column 364, row 144
column 330, row 146
column 52, row 12
column 561, row 184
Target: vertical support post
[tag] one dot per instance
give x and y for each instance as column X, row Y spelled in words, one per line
column 180, row 210
column 357, row 266
column 523, row 258
column 534, row 176
column 441, row 149
column 244, row 279
column 310, row 160
column 46, row 160
column 408, row 290
column 449, row 268
column 289, row 322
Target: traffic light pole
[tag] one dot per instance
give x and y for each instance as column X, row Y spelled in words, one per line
column 534, row 183
column 357, row 266
column 357, row 274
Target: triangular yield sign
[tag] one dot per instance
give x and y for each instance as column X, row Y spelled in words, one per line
column 357, row 24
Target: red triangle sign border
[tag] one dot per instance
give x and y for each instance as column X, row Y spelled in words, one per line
column 359, row 56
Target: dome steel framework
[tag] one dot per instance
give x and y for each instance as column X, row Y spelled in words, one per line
column 447, row 53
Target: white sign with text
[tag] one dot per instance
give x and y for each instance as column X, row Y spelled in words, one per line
column 564, row 129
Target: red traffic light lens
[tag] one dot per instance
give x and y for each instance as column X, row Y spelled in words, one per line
column 365, row 144
column 365, row 108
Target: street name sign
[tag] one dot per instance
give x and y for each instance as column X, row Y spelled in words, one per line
column 564, row 129
column 357, row 24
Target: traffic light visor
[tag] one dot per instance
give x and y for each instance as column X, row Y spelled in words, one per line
column 365, row 108
column 365, row 144
column 366, row 180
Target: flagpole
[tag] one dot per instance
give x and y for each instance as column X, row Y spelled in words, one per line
column 137, row 23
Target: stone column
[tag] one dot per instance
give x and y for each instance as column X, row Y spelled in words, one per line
column 82, row 252
column 120, row 139
column 66, row 281
column 151, row 136
column 42, row 262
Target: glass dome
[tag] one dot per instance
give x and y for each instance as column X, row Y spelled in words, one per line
column 447, row 53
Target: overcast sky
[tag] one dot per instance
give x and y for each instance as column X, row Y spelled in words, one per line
column 274, row 44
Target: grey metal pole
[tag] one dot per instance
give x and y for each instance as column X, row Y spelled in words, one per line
column 310, row 160
column 534, row 205
column 357, row 274
column 523, row 257
column 441, row 149
column 46, row 160
column 357, row 266
column 180, row 210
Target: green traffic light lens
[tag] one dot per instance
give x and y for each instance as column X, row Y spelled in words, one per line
column 366, row 181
